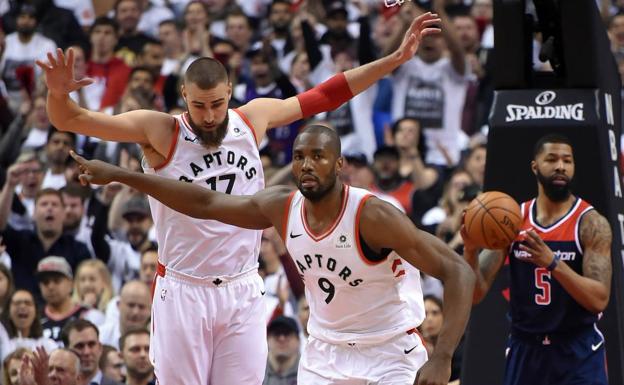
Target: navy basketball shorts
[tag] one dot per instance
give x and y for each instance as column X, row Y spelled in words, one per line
column 577, row 359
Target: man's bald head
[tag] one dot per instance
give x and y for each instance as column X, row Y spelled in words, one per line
column 64, row 367
column 333, row 139
column 134, row 305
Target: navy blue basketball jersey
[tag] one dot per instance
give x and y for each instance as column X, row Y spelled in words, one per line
column 538, row 303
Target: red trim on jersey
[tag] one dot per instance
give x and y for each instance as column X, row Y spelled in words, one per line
column 316, row 238
column 414, row 330
column 572, row 213
column 185, row 119
column 357, row 233
column 565, row 229
column 160, row 272
column 525, row 207
column 286, row 215
column 248, row 123
column 161, row 269
column 172, row 147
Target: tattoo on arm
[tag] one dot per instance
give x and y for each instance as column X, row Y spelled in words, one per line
column 490, row 262
column 595, row 234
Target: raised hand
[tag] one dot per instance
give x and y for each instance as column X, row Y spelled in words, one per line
column 14, row 174
column 94, row 171
column 422, row 26
column 39, row 362
column 59, row 73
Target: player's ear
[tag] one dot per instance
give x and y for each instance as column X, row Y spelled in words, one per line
column 183, row 92
column 339, row 165
column 534, row 167
column 229, row 91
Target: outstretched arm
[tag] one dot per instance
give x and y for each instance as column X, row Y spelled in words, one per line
column 8, row 191
column 457, row 54
column 591, row 289
column 258, row 211
column 266, row 113
column 383, row 226
column 66, row 115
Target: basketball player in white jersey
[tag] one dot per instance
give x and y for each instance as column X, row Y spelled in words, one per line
column 362, row 330
column 207, row 309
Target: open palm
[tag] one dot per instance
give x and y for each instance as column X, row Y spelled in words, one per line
column 422, row 26
column 59, row 73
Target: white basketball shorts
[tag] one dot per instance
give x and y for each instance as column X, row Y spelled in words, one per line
column 208, row 331
column 394, row 362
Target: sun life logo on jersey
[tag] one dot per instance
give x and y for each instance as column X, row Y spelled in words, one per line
column 342, row 242
column 238, row 132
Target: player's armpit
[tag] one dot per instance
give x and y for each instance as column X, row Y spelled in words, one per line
column 380, row 224
column 595, row 234
column 271, row 204
column 265, row 113
column 383, row 226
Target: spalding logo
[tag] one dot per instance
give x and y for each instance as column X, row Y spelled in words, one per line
column 542, row 110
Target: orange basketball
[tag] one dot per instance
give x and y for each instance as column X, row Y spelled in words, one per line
column 493, row 220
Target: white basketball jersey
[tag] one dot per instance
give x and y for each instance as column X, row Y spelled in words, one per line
column 351, row 298
column 199, row 247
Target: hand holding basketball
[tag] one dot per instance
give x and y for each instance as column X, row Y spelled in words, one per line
column 492, row 220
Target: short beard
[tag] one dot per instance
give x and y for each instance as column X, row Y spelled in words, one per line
column 210, row 139
column 71, row 227
column 49, row 234
column 316, row 195
column 554, row 192
column 136, row 244
column 281, row 29
column 25, row 31
column 137, row 374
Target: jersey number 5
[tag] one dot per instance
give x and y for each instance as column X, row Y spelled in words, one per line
column 542, row 284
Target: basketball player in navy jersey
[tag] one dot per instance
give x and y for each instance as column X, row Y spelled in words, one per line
column 560, row 267
column 340, row 237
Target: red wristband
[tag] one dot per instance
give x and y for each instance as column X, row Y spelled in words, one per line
column 327, row 96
